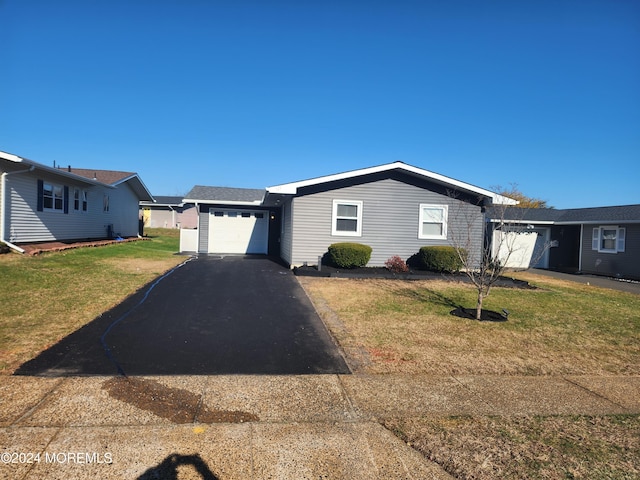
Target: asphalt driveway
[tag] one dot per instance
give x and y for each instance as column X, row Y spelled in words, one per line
column 230, row 315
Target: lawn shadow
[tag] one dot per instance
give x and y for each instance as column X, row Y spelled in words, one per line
column 427, row 295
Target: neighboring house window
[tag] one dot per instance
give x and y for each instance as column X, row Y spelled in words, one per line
column 80, row 199
column 609, row 239
column 105, row 203
column 52, row 197
column 347, row 218
column 433, row 222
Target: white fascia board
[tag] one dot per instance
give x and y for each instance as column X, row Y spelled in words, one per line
column 292, row 188
column 154, row 203
column 497, row 198
column 528, row 222
column 11, row 157
column 142, row 188
column 222, row 202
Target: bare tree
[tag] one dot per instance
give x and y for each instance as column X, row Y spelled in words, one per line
column 485, row 264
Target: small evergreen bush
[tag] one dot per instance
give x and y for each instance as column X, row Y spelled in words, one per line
column 439, row 259
column 349, row 255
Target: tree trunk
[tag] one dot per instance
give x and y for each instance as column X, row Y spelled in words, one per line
column 479, row 306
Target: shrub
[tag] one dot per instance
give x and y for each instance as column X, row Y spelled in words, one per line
column 396, row 265
column 349, row 255
column 440, row 259
column 4, row 248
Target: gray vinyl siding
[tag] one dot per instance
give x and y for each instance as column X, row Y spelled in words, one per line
column 26, row 224
column 390, row 221
column 286, row 236
column 622, row 264
column 203, row 237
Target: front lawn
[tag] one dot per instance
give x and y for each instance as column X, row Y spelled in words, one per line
column 560, row 328
column 46, row 297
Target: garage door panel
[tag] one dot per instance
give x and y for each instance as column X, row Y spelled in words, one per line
column 238, row 231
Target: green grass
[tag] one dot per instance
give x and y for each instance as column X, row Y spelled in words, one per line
column 46, row 297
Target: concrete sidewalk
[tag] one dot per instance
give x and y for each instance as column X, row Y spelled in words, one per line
column 261, row 427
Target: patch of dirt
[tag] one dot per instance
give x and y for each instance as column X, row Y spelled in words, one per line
column 141, row 265
column 174, row 404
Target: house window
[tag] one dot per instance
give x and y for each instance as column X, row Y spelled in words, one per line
column 347, row 218
column 52, row 198
column 105, row 203
column 76, row 199
column 433, row 222
column 609, row 239
column 85, row 200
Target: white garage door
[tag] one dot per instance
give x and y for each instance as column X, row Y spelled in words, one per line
column 238, row 231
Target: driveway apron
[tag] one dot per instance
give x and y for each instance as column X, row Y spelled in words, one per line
column 213, row 315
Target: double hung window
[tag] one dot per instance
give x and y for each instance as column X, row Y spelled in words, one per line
column 609, row 239
column 347, row 218
column 52, row 198
column 433, row 222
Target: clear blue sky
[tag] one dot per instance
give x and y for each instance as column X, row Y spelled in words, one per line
column 543, row 94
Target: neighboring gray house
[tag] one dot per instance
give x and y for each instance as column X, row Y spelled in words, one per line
column 394, row 208
column 600, row 240
column 168, row 212
column 43, row 204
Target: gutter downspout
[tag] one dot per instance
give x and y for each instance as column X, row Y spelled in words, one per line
column 580, row 248
column 3, row 209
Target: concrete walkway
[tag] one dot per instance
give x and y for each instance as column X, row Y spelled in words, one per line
column 596, row 280
column 261, row 427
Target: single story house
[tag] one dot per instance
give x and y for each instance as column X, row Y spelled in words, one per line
column 394, row 208
column 39, row 203
column 600, row 240
column 168, row 212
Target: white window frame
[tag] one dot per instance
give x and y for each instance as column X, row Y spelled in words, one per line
column 105, row 203
column 597, row 239
column 421, row 220
column 76, row 199
column 357, row 218
column 79, row 200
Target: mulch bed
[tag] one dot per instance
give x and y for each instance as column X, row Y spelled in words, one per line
column 384, row 273
column 38, row 248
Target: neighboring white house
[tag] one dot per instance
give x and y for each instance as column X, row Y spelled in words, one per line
column 39, row 203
